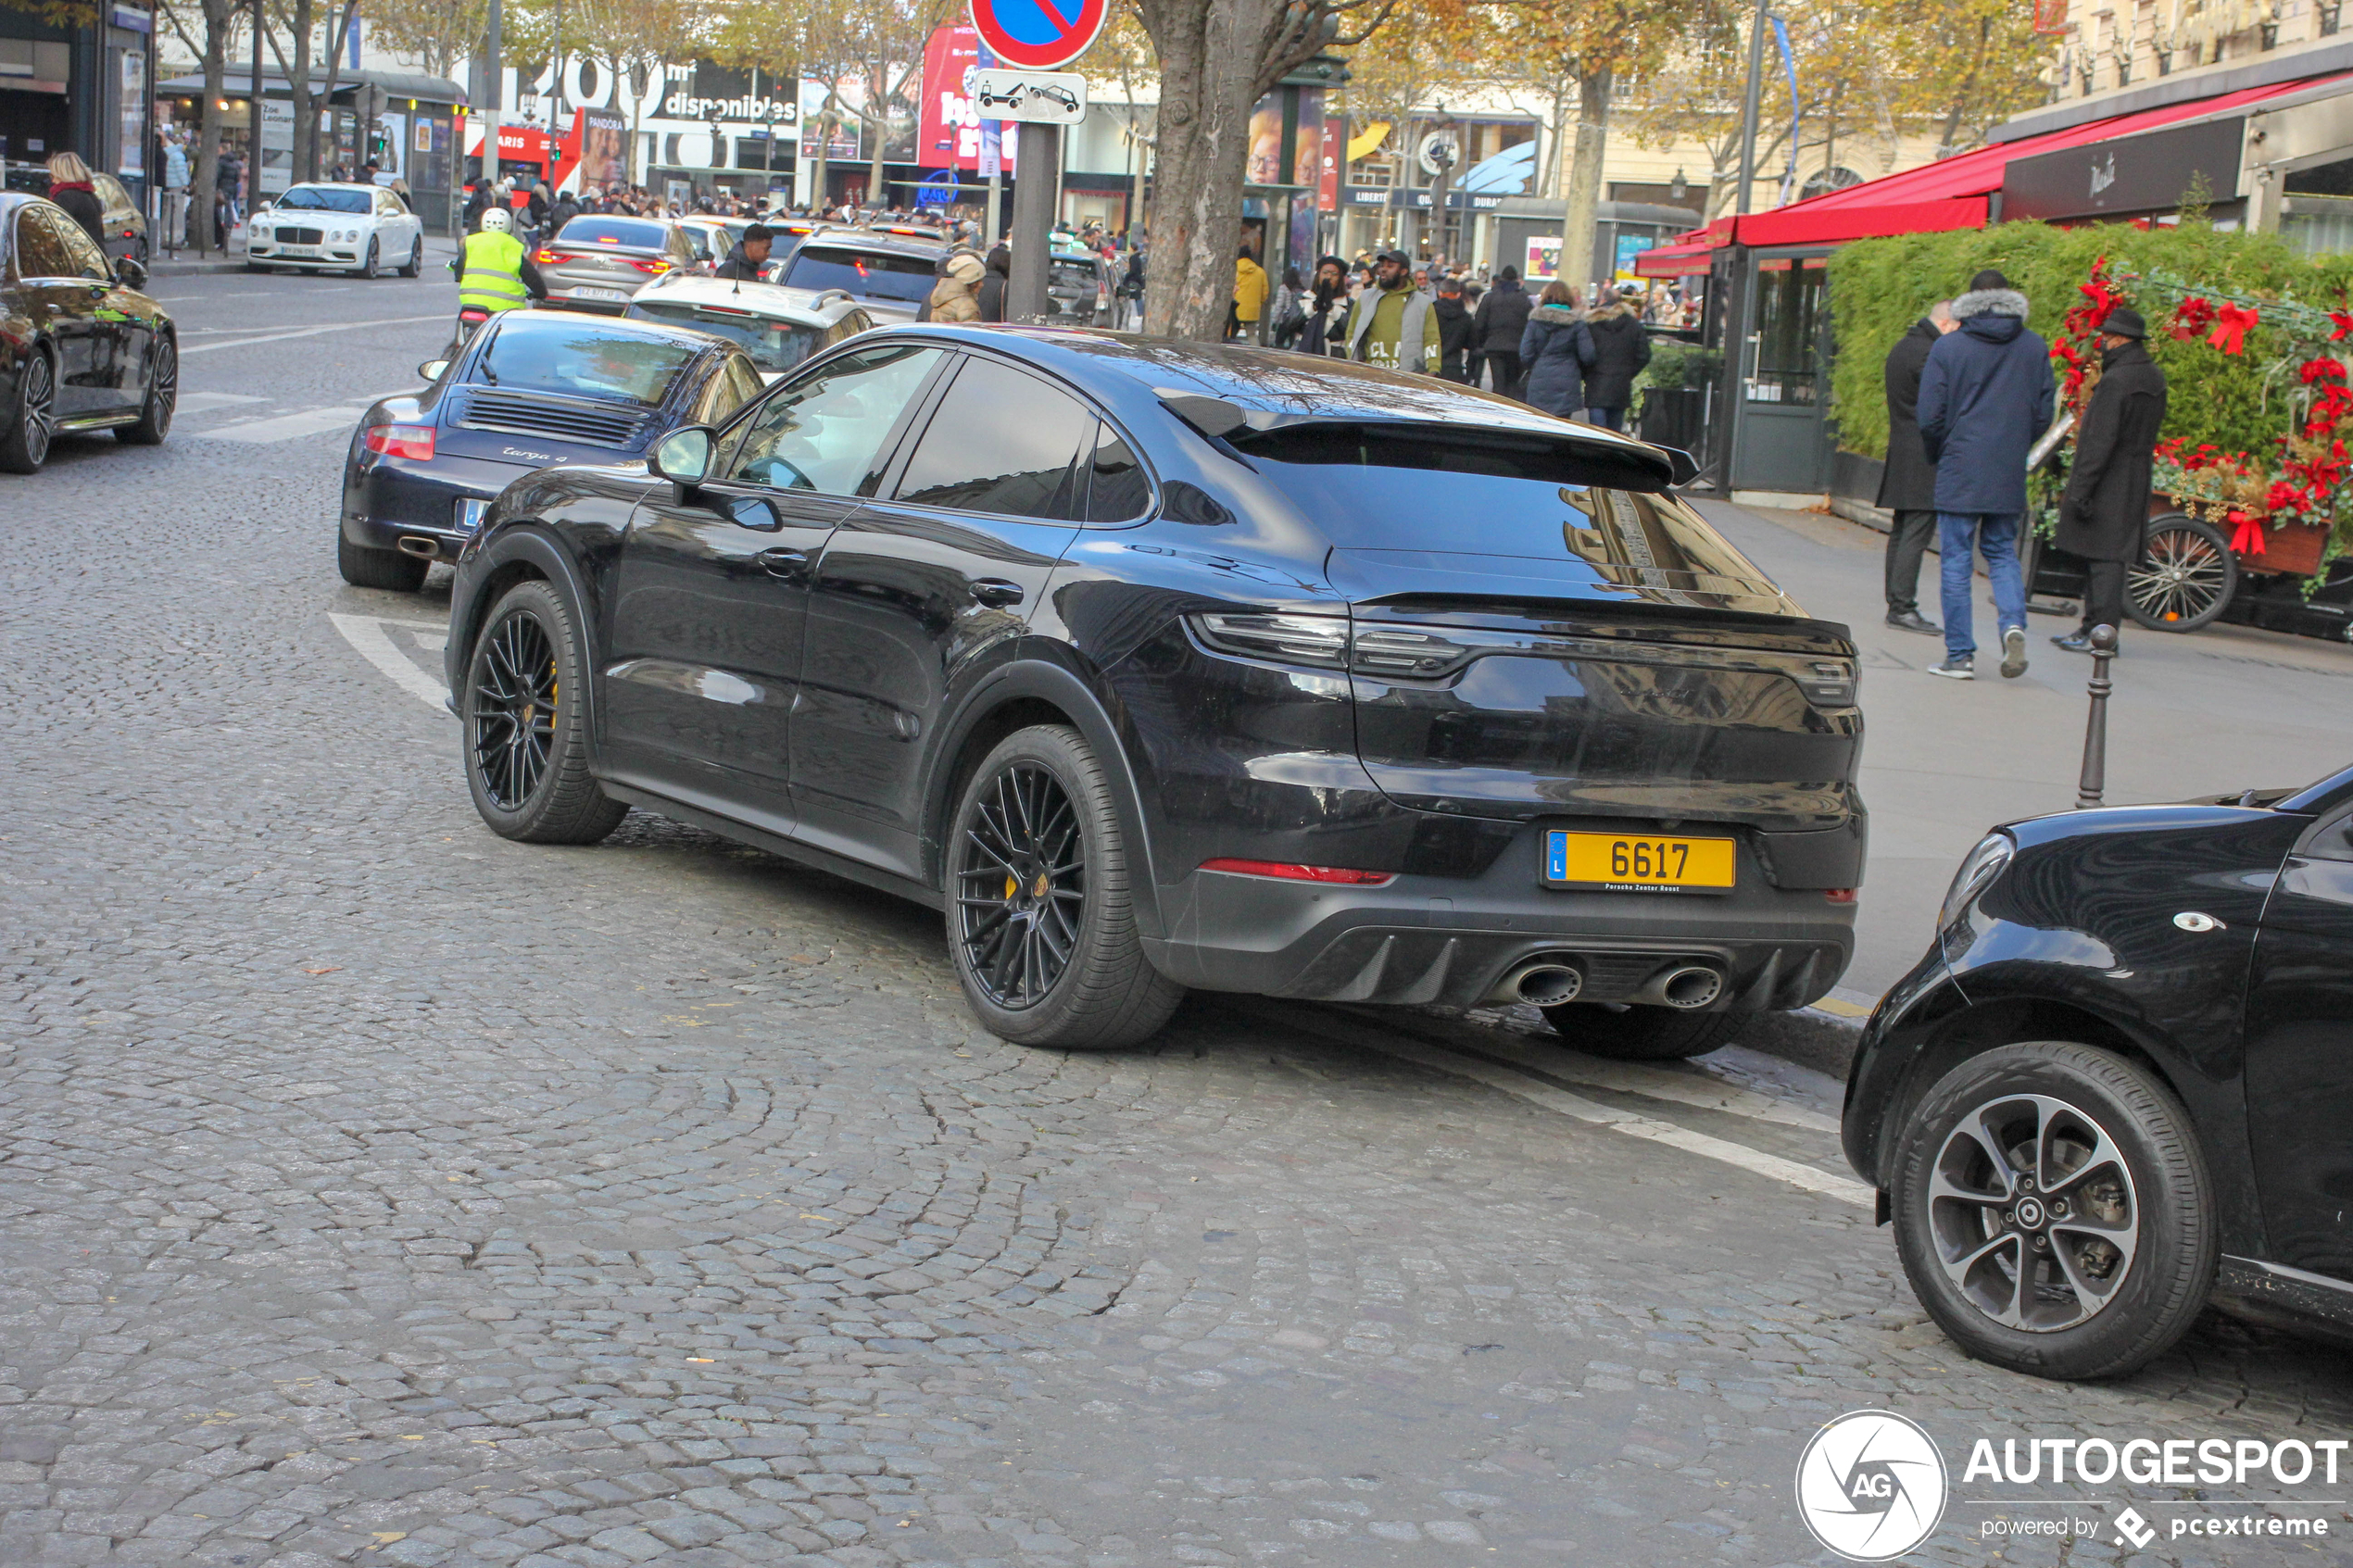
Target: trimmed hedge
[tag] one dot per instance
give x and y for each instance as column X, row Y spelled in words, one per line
column 1877, row 288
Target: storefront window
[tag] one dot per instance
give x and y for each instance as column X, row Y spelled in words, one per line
column 1789, row 304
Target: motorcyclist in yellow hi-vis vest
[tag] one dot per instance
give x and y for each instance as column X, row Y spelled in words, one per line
column 493, row 271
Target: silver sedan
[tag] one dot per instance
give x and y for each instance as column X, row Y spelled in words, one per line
column 599, row 261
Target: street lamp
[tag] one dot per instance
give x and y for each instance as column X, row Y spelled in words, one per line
column 1679, row 187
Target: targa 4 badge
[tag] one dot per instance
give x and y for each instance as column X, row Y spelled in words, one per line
column 1871, row 1485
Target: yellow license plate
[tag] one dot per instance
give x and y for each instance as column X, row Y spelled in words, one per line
column 1637, row 863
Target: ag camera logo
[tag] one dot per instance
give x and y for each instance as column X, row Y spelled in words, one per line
column 1871, row 1485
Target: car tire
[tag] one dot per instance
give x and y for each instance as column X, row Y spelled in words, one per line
column 527, row 730
column 163, row 397
column 368, row 264
column 24, row 443
column 2129, row 1167
column 1041, row 924
column 388, row 570
column 1640, row 1034
column 416, row 267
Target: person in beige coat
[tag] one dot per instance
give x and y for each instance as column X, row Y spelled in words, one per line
column 956, row 297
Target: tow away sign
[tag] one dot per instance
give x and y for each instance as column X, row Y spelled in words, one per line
column 1043, row 96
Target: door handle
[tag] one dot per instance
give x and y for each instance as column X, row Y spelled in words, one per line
column 783, row 562
column 996, row 593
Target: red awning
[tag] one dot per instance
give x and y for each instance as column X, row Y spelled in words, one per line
column 1675, row 261
column 1951, row 193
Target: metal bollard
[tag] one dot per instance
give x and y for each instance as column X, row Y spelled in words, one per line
column 2094, row 783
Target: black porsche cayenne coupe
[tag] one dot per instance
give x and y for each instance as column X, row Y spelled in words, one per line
column 1159, row 665
column 2118, row 1087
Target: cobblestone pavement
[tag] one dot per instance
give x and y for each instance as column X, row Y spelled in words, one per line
column 376, row 1191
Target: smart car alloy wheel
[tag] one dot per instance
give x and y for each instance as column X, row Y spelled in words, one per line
column 2052, row 1212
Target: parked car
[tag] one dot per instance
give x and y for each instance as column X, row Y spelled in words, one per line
column 712, row 238
column 778, row 326
column 1079, row 284
column 890, row 276
column 600, row 260
column 353, row 227
column 1143, row 660
column 81, row 347
column 125, row 225
column 2116, row 1087
column 533, row 387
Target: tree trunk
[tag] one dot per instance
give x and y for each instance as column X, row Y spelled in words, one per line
column 879, row 126
column 1209, row 60
column 1584, row 180
column 338, row 37
column 207, row 175
column 304, row 156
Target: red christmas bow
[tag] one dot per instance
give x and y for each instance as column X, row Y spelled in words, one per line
column 2230, row 323
column 2247, row 539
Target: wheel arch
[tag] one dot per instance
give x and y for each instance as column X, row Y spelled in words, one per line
column 1967, row 1031
column 1013, row 697
column 519, row 555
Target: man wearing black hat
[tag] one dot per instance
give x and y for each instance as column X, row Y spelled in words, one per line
column 2104, row 512
column 1391, row 323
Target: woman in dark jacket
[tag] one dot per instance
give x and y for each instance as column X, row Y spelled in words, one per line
column 1496, row 327
column 1554, row 350
column 997, row 274
column 1620, row 350
column 71, row 188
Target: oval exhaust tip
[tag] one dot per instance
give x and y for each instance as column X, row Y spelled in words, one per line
column 1548, row 985
column 417, row 545
column 1692, row 986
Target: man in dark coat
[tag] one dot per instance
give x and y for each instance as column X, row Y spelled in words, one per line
column 1907, row 481
column 1453, row 332
column 1985, row 397
column 995, row 277
column 1620, row 350
column 2103, row 515
column 1496, row 326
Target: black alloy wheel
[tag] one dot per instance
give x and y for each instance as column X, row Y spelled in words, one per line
column 2052, row 1210
column 1040, row 923
column 2184, row 577
column 24, row 445
column 163, row 396
column 526, row 744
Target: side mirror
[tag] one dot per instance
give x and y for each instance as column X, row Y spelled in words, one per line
column 1682, row 468
column 129, row 273
column 683, row 457
column 432, row 369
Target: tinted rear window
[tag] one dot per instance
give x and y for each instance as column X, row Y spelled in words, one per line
column 592, row 230
column 867, row 274
column 1367, row 488
column 775, row 344
column 582, row 359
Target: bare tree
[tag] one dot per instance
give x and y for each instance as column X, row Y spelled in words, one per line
column 208, row 32
column 1217, row 57
column 299, row 17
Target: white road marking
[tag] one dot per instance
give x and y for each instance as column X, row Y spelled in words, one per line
column 1632, row 1124
column 283, row 336
column 204, row 402
column 285, row 427
column 1655, row 1082
column 367, row 635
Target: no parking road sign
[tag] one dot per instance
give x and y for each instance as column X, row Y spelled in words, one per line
column 1037, row 34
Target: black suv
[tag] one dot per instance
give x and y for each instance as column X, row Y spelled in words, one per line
column 1159, row 665
column 2118, row 1085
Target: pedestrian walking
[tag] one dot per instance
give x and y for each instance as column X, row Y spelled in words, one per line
column 1556, row 350
column 566, row 209
column 1620, row 350
column 749, row 255
column 2104, row 513
column 71, row 187
column 956, row 297
column 1496, row 327
column 1250, row 297
column 996, row 276
column 175, row 191
column 1907, row 480
column 477, row 203
column 1131, row 292
column 229, row 178
column 1985, row 396
column 1288, row 316
column 1391, row 324
column 1453, row 332
column 1326, row 306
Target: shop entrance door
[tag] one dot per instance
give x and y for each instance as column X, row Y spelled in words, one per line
column 1782, row 440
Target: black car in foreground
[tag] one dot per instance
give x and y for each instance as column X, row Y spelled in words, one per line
column 533, row 387
column 1162, row 665
column 2119, row 1085
column 81, row 347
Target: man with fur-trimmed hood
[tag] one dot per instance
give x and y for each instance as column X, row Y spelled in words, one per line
column 1985, row 397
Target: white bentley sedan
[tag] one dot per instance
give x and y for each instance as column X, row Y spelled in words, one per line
column 362, row 229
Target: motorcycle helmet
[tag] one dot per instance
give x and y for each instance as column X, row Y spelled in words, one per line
column 499, row 221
